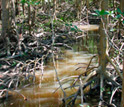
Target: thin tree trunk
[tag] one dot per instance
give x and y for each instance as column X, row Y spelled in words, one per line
column 34, row 16
column 103, row 46
column 29, row 18
column 17, row 7
column 13, row 11
column 87, row 5
column 122, row 9
column 0, row 9
column 78, row 5
column 5, row 17
column 5, row 24
column 54, row 9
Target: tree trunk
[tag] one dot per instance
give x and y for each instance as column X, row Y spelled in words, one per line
column 54, row 9
column 13, row 12
column 120, row 22
column 5, row 17
column 103, row 46
column 103, row 43
column 87, row 5
column 0, row 9
column 78, row 5
column 17, row 7
column 33, row 18
column 5, row 24
column 122, row 5
column 29, row 18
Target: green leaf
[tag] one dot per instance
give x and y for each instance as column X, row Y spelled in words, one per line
column 111, row 13
column 112, row 29
column 118, row 16
column 79, row 30
column 23, row 1
column 28, row 2
column 76, row 27
column 119, row 11
column 103, row 12
column 67, row 24
column 123, row 21
column 32, row 3
column 1, row 87
column 123, row 13
column 72, row 29
column 106, row 13
column 14, row 63
column 97, row 12
column 62, row 18
column 25, row 54
column 37, row 3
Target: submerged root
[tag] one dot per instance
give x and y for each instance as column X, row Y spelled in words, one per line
column 20, row 75
column 93, row 80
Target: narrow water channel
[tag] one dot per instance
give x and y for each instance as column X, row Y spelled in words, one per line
column 42, row 93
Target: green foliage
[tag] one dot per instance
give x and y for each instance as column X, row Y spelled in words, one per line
column 62, row 18
column 119, row 11
column 112, row 13
column 30, row 2
column 100, row 13
column 23, row 1
column 68, row 24
column 1, row 87
column 14, row 63
column 112, row 29
column 120, row 14
column 25, row 54
column 73, row 28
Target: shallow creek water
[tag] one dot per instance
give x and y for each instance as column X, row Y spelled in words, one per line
column 41, row 94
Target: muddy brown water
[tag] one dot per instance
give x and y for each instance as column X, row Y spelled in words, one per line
column 42, row 93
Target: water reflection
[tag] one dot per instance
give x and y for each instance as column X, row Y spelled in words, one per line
column 41, row 94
